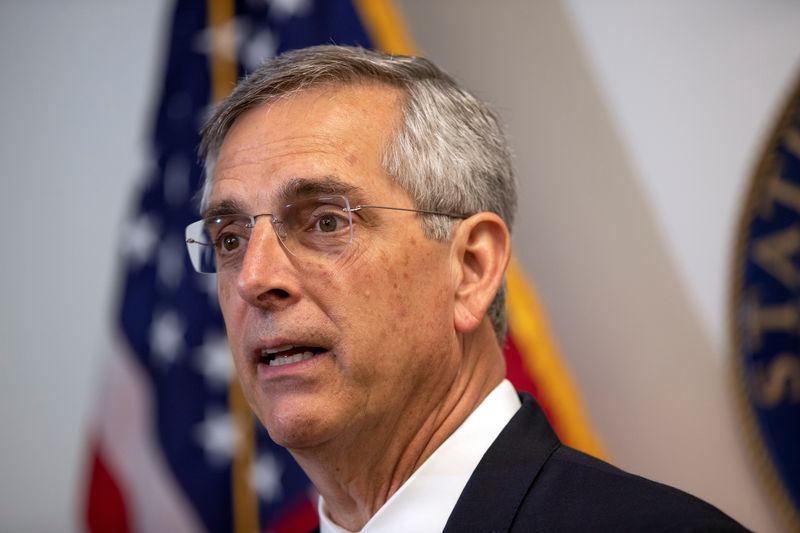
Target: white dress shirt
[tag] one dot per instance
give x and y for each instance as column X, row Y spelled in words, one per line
column 424, row 502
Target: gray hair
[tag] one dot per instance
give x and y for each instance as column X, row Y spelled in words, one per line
column 449, row 153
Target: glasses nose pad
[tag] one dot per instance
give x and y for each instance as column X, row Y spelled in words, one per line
column 283, row 234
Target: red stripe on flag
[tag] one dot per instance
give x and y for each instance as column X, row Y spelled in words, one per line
column 521, row 379
column 300, row 516
column 105, row 509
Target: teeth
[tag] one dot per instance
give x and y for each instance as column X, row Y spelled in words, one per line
column 272, row 351
column 296, row 358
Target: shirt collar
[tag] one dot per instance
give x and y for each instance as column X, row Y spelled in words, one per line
column 424, row 502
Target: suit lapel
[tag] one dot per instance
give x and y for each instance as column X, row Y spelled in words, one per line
column 506, row 472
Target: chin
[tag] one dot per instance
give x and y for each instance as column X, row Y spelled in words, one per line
column 294, row 439
column 294, row 427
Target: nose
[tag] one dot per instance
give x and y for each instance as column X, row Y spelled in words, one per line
column 266, row 278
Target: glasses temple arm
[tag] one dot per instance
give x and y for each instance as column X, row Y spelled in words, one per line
column 410, row 210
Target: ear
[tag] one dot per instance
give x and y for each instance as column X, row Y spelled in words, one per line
column 482, row 248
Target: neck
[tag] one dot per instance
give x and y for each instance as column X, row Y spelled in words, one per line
column 357, row 474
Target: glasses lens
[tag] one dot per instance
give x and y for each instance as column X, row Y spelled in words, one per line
column 217, row 244
column 316, row 228
column 200, row 247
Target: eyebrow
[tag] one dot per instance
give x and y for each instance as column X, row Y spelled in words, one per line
column 224, row 207
column 291, row 190
column 300, row 187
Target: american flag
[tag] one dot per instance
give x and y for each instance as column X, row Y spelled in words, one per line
column 165, row 440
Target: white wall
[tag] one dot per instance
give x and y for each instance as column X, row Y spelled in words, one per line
column 77, row 83
column 635, row 127
column 694, row 88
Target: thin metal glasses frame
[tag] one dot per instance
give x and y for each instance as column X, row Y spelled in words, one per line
column 280, row 231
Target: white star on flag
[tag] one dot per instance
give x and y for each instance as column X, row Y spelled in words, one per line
column 258, row 48
column 214, row 360
column 176, row 179
column 281, row 10
column 219, row 437
column 222, row 41
column 171, row 254
column 265, row 477
column 166, row 337
column 139, row 238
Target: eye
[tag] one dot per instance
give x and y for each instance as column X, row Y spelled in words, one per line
column 230, row 242
column 328, row 223
column 229, row 235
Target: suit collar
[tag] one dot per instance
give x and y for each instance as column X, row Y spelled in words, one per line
column 506, row 472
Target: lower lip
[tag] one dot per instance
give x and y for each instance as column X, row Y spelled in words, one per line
column 266, row 372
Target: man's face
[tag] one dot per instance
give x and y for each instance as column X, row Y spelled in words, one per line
column 379, row 319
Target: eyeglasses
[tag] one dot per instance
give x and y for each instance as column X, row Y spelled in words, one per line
column 317, row 229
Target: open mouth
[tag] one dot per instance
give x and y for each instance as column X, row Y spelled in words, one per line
column 286, row 355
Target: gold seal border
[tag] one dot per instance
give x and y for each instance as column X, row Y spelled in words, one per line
column 759, row 180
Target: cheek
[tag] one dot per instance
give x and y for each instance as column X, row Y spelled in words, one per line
column 388, row 285
column 407, row 294
column 226, row 297
column 225, row 287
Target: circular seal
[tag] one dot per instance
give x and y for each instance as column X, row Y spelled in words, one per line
column 765, row 311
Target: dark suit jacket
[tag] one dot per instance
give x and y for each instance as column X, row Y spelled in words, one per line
column 528, row 481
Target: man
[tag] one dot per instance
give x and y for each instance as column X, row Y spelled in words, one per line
column 357, row 211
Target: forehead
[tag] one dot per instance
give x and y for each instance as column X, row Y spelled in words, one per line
column 338, row 133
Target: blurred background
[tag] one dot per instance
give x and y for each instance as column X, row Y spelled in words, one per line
column 636, row 127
